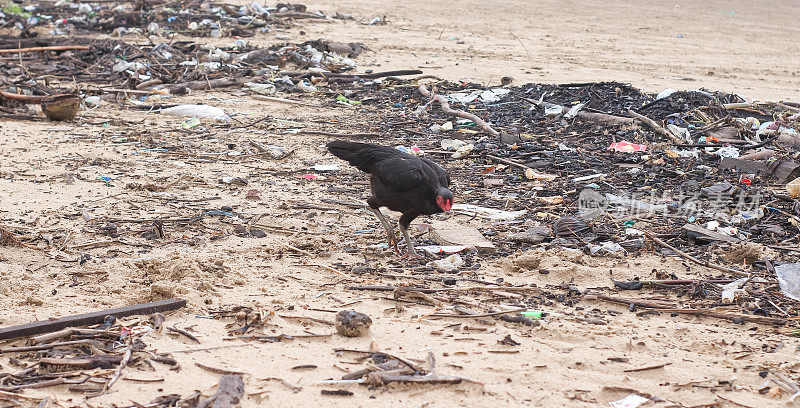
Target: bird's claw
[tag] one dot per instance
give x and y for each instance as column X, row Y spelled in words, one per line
column 393, row 244
column 411, row 254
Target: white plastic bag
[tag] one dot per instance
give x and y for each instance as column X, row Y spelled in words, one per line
column 200, row 111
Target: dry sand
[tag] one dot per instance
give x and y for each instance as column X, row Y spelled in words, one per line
column 566, row 361
column 743, row 47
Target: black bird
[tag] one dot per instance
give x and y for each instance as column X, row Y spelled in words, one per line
column 401, row 182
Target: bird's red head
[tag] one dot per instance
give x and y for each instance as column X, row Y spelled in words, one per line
column 445, row 203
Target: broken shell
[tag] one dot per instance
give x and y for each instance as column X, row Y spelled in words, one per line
column 61, row 107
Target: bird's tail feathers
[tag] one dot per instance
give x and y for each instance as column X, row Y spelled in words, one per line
column 360, row 155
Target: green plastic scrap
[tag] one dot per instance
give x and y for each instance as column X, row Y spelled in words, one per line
column 346, row 100
column 533, row 313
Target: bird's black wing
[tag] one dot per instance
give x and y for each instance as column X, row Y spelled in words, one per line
column 362, row 155
column 441, row 174
column 399, row 173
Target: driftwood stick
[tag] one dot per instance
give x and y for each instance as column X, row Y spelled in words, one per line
column 284, row 100
column 698, row 312
column 184, row 333
column 122, row 365
column 164, row 359
column 282, row 337
column 604, row 117
column 522, row 309
column 212, row 348
column 636, row 302
column 332, row 134
column 375, row 75
column 759, row 155
column 294, row 248
column 591, row 116
column 707, row 264
column 647, row 368
column 258, row 146
column 46, row 346
column 405, row 362
column 313, row 319
column 284, row 382
column 296, row 15
column 461, row 114
column 19, row 396
column 655, row 126
column 729, row 316
column 216, row 370
column 117, row 90
column 41, row 384
column 49, row 48
column 208, row 84
column 17, row 116
column 429, row 290
column 229, row 391
column 350, row 204
column 44, row 338
column 69, row 364
column 22, row 98
column 326, row 267
column 418, row 379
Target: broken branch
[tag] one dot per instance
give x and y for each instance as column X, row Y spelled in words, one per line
column 461, row 114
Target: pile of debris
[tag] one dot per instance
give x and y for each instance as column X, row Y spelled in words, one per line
column 165, row 68
column 158, row 18
column 41, row 64
column 607, row 169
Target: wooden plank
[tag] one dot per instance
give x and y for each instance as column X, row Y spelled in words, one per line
column 743, row 166
column 782, row 171
column 51, row 48
column 786, row 171
column 706, row 234
column 46, row 326
column 450, row 233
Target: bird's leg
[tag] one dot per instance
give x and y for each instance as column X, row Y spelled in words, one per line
column 410, row 252
column 387, row 227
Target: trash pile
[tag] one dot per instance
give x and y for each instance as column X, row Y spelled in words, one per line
column 607, row 169
column 99, row 69
column 710, row 163
column 169, row 69
column 158, row 18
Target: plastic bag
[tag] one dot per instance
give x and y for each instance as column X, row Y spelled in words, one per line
column 200, row 111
